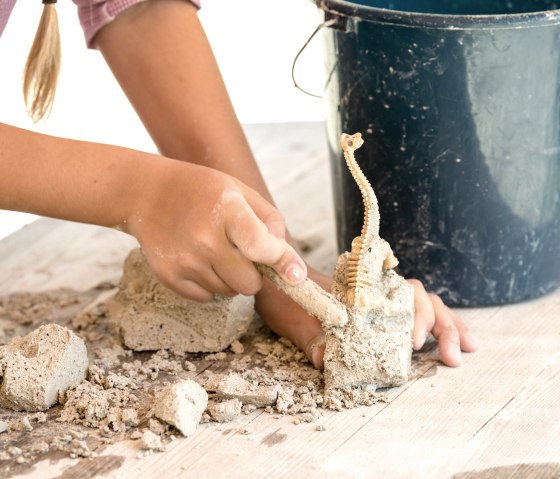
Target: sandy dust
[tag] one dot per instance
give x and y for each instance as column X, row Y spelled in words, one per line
column 115, row 401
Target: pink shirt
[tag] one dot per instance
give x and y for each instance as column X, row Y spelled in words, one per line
column 93, row 14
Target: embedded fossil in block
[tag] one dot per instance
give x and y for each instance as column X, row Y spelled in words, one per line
column 369, row 317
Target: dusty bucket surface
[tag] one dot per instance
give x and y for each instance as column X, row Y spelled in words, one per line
column 459, row 105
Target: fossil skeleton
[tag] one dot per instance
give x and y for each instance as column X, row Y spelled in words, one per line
column 369, row 316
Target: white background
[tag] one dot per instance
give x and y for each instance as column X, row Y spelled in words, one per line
column 255, row 42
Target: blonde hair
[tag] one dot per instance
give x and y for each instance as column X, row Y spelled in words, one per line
column 43, row 64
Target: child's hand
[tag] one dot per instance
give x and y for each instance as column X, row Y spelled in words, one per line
column 201, row 230
column 433, row 316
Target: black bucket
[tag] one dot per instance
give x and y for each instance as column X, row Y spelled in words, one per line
column 458, row 102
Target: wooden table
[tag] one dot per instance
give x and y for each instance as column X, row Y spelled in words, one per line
column 497, row 416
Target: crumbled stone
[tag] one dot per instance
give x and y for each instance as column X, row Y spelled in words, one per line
column 14, row 451
column 181, row 404
column 248, row 408
column 41, row 447
column 151, row 317
column 236, row 347
column 21, row 424
column 189, row 366
column 106, row 409
column 73, row 443
column 225, row 411
column 37, row 366
column 151, row 442
column 157, row 427
column 234, row 386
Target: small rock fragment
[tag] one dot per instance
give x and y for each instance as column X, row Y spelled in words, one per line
column 181, row 404
column 3, row 426
column 21, row 424
column 216, row 356
column 249, row 408
column 225, row 411
column 189, row 366
column 151, row 442
column 234, row 386
column 41, row 447
column 14, row 451
column 157, row 427
column 40, row 417
column 236, row 347
column 37, row 366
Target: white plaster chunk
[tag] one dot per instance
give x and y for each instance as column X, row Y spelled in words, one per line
column 225, row 411
column 234, row 386
column 151, row 317
column 181, row 404
column 151, row 442
column 38, row 366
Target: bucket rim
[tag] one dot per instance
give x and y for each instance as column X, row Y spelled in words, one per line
column 438, row 20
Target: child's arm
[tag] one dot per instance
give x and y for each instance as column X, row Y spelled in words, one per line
column 201, row 229
column 160, row 55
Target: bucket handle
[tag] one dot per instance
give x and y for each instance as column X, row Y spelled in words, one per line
column 327, row 23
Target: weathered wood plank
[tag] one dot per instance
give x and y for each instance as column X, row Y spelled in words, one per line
column 525, row 431
column 49, row 254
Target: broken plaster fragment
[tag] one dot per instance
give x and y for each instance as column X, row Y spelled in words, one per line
column 21, row 424
column 152, row 317
column 151, row 442
column 236, row 347
column 40, row 365
column 225, row 411
column 181, row 404
column 234, row 386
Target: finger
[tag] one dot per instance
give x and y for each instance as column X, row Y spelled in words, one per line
column 191, row 290
column 239, row 274
column 424, row 317
column 467, row 340
column 266, row 212
column 201, row 274
column 446, row 332
column 315, row 350
column 246, row 231
column 212, row 281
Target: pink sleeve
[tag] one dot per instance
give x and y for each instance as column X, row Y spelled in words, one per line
column 94, row 14
column 6, row 7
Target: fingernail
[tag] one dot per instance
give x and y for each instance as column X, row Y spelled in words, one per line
column 317, row 354
column 472, row 340
column 456, row 355
column 295, row 273
column 419, row 342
